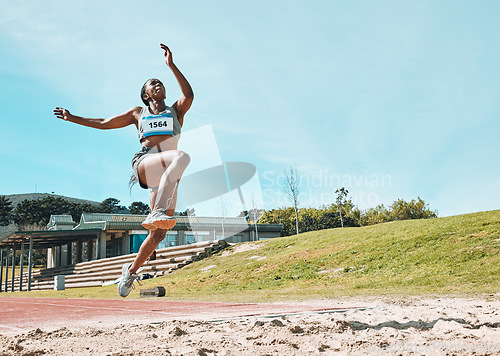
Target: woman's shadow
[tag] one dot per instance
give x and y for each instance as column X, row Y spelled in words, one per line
column 418, row 324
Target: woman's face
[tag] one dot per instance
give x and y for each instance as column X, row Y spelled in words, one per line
column 155, row 90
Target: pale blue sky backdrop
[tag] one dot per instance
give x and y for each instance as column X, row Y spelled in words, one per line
column 391, row 99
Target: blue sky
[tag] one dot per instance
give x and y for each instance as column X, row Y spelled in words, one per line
column 390, row 99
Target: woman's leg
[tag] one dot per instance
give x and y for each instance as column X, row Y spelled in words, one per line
column 171, row 206
column 164, row 195
column 147, row 248
column 163, row 171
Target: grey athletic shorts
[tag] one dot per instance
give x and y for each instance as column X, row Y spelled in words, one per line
column 138, row 157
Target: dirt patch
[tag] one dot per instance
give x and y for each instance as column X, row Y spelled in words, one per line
column 417, row 326
column 240, row 248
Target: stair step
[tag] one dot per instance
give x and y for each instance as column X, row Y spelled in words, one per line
column 95, row 273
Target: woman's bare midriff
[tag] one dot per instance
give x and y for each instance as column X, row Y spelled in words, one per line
column 166, row 142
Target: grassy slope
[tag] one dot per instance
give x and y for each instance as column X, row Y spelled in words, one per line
column 453, row 255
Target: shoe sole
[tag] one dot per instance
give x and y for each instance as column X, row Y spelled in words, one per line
column 127, row 266
column 164, row 224
column 122, row 295
column 149, row 227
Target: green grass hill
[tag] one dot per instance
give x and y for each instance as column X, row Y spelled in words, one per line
column 442, row 256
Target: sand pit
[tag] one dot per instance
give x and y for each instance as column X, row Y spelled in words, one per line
column 395, row 326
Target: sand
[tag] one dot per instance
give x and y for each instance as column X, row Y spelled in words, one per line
column 394, row 326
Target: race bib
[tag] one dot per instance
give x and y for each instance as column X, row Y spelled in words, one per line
column 161, row 124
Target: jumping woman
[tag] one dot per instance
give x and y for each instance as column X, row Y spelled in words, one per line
column 159, row 165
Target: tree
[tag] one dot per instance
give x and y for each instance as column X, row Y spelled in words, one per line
column 376, row 215
column 399, row 210
column 38, row 212
column 254, row 215
column 285, row 216
column 328, row 217
column 291, row 190
column 224, row 207
column 329, row 220
column 76, row 210
column 139, row 208
column 110, row 206
column 308, row 220
column 6, row 208
column 341, row 198
column 34, row 214
column 415, row 209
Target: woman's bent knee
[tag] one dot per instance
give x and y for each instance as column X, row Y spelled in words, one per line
column 183, row 158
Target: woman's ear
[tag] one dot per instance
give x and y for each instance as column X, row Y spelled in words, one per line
column 145, row 97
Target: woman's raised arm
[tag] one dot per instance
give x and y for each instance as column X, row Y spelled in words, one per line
column 182, row 105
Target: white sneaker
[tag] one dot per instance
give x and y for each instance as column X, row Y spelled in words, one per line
column 127, row 281
column 148, row 222
column 162, row 221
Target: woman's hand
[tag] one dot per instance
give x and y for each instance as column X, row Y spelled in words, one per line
column 61, row 113
column 168, row 55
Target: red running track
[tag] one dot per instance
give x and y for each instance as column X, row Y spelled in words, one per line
column 19, row 314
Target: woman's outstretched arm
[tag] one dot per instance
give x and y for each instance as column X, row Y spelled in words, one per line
column 115, row 122
column 182, row 105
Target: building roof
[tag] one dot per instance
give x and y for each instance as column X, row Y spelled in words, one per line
column 61, row 228
column 133, row 222
column 47, row 238
column 58, row 221
column 110, row 221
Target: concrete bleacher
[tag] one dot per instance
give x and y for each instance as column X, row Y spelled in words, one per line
column 96, row 273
